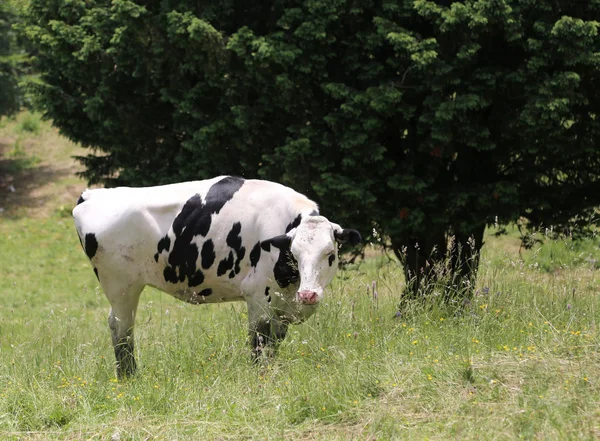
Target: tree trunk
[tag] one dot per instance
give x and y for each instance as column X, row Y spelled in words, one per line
column 435, row 261
column 418, row 257
column 464, row 254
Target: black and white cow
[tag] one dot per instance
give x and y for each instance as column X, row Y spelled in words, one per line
column 216, row 240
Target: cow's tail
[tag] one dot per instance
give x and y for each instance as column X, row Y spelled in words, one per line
column 77, row 210
column 85, row 195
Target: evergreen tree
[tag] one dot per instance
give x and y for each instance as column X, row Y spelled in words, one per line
column 10, row 59
column 419, row 121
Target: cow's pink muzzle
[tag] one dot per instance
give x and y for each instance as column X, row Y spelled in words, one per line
column 308, row 297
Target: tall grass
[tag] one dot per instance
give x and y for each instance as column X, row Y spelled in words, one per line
column 520, row 361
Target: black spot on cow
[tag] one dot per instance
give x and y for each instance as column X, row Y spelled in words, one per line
column 91, row 245
column 205, row 292
column 286, row 267
column 331, row 259
column 80, row 200
column 267, row 289
column 225, row 264
column 196, row 279
column 293, row 224
column 170, row 275
column 164, row 244
column 233, row 238
column 208, row 254
column 234, row 241
column 255, row 255
column 193, row 220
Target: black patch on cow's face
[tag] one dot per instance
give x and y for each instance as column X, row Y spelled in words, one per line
column 331, row 259
column 205, row 292
column 208, row 254
column 267, row 289
column 255, row 255
column 91, row 245
column 193, row 220
column 286, row 267
column 293, row 224
column 225, row 264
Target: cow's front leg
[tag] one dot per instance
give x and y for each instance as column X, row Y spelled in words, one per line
column 259, row 333
column 265, row 329
column 266, row 336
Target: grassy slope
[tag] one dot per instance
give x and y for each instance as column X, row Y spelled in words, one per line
column 38, row 163
column 521, row 361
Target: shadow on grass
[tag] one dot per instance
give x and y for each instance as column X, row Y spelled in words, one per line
column 27, row 184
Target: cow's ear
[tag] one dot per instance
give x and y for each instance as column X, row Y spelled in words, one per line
column 281, row 242
column 347, row 235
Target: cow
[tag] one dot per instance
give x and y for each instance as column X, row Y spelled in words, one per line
column 217, row 240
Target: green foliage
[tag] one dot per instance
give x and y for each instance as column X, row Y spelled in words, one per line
column 416, row 120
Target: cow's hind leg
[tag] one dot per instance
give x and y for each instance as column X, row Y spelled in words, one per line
column 121, row 320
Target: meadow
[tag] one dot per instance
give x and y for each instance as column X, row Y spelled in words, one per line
column 521, row 360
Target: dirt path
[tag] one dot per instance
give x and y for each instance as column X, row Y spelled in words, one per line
column 37, row 170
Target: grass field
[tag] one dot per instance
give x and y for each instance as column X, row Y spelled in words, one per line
column 521, row 361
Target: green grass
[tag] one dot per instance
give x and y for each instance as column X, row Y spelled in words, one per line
column 521, row 361
column 30, row 123
column 564, row 254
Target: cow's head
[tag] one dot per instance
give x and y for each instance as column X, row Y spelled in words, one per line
column 314, row 246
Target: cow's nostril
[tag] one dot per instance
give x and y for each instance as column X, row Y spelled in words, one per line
column 308, row 297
